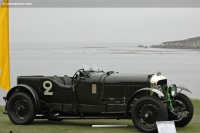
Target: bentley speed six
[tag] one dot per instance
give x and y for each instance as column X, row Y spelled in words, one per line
column 93, row 94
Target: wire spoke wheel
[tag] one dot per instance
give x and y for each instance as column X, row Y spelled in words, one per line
column 21, row 109
column 182, row 103
column 146, row 112
column 178, row 106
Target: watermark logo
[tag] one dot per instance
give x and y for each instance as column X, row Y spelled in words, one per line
column 15, row 4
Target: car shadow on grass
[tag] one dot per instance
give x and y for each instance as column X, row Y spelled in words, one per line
column 87, row 125
column 82, row 122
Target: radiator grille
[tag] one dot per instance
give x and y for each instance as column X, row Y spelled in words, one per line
column 122, row 90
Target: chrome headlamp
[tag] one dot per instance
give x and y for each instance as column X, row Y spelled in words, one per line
column 173, row 89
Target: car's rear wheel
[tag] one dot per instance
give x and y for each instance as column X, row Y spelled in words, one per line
column 20, row 108
column 183, row 103
column 146, row 112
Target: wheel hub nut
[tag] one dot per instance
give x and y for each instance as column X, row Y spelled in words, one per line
column 146, row 115
column 18, row 108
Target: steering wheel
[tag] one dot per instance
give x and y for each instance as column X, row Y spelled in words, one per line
column 76, row 75
column 75, row 78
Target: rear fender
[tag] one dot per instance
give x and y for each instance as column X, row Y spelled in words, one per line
column 22, row 88
column 160, row 94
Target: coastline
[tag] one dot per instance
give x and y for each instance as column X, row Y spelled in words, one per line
column 190, row 43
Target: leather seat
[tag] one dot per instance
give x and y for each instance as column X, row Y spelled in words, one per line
column 57, row 79
column 67, row 80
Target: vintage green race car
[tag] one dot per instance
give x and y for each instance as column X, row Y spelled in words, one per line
column 94, row 94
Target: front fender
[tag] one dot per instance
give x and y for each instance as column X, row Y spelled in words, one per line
column 183, row 88
column 24, row 87
column 160, row 94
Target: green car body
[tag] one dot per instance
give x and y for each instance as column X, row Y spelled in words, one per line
column 94, row 94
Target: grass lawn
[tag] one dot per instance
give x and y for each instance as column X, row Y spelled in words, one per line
column 85, row 126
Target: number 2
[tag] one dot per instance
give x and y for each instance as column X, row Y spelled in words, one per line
column 47, row 88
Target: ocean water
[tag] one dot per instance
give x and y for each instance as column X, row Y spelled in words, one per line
column 181, row 67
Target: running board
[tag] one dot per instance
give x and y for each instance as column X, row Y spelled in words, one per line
column 85, row 117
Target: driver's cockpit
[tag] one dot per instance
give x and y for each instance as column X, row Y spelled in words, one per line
column 65, row 80
column 84, row 71
column 81, row 73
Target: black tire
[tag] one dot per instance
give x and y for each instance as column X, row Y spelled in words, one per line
column 189, row 107
column 20, row 108
column 146, row 111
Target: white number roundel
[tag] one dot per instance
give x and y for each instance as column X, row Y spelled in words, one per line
column 47, row 85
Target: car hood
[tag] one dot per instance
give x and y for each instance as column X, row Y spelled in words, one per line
column 124, row 78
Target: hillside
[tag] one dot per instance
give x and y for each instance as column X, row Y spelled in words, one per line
column 191, row 43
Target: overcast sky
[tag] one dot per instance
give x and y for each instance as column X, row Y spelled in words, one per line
column 41, row 25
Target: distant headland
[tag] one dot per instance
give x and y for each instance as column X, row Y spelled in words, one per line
column 191, row 43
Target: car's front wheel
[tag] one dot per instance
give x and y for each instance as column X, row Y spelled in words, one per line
column 146, row 112
column 20, row 108
column 183, row 103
